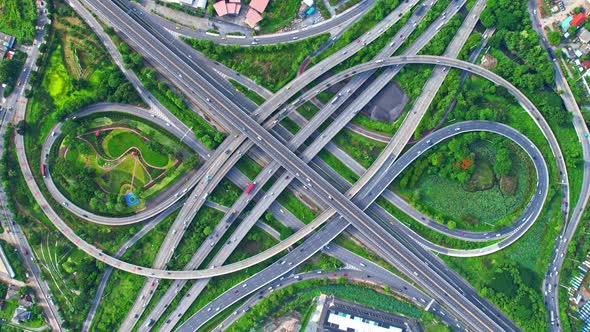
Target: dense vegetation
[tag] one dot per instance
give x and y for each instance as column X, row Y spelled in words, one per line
column 18, row 18
column 272, row 66
column 10, row 70
column 512, row 278
column 278, row 14
column 485, row 172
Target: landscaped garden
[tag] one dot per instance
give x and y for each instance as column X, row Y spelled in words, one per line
column 103, row 159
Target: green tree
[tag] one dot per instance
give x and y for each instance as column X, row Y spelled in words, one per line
column 503, row 163
column 25, row 290
column 21, row 127
column 8, row 71
column 451, row 224
column 554, row 37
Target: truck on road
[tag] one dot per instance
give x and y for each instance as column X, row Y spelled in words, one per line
column 250, row 187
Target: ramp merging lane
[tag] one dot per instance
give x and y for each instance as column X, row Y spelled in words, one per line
column 331, row 196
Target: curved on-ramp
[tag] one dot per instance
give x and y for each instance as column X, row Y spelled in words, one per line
column 132, row 268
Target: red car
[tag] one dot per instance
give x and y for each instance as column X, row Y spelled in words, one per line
column 26, row 252
column 236, row 291
column 333, row 275
column 401, row 36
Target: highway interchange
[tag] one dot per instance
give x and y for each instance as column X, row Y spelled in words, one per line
column 353, row 208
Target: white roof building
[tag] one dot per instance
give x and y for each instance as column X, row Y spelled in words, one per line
column 308, row 2
column 346, row 322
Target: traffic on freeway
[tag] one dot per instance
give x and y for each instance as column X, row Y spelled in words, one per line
column 291, row 161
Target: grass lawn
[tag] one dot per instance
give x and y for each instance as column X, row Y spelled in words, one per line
column 308, row 110
column 362, row 149
column 117, row 299
column 290, row 125
column 118, row 141
column 18, row 19
column 119, row 178
column 295, row 206
column 271, row 66
column 278, row 14
column 338, row 166
column 248, row 167
column 253, row 96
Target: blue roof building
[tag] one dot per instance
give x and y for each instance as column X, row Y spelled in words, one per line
column 566, row 23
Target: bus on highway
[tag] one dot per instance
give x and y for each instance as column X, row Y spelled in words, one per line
column 250, row 187
column 44, row 170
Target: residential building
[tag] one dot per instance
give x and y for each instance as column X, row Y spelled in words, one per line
column 252, row 18
column 21, row 314
column 584, row 36
column 227, row 8
column 259, row 5
column 578, row 19
column 7, row 43
column 220, row 8
column 566, row 23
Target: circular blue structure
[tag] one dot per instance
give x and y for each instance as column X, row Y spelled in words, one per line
column 131, row 199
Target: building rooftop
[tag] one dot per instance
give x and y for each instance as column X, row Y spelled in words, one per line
column 342, row 316
column 578, row 19
column 259, row 5
column 566, row 23
column 233, row 8
column 345, row 322
column 220, row 8
column 252, row 18
column 6, row 43
column 21, row 314
column 201, row 4
column 584, row 36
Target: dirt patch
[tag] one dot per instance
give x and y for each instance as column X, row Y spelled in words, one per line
column 482, row 177
column 310, row 204
column 508, row 185
column 290, row 322
column 489, row 62
column 252, row 247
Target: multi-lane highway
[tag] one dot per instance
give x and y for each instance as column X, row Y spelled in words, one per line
column 229, row 111
column 285, row 244
column 230, row 297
